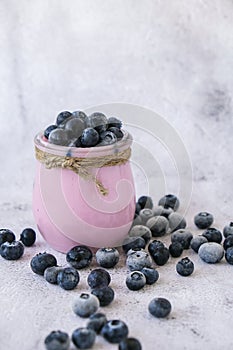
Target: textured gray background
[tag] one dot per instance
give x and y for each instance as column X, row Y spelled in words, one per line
column 174, row 57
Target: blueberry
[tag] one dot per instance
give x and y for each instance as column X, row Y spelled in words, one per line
column 11, row 250
column 51, row 273
column 160, row 307
column 170, row 201
column 203, row 220
column 151, row 275
column 85, row 305
column 133, row 242
column 57, row 340
column 117, row 132
column 28, row 237
column 212, row 235
column 107, row 257
column 130, row 344
column 211, row 252
column 161, row 256
column 98, row 121
column 137, row 260
column 228, row 230
column 68, row 278
column 145, row 202
column 115, row 331
column 83, row 338
column 229, row 255
column 158, row 225
column 176, row 221
column 182, row 236
column 79, row 257
column 107, row 138
column 98, row 278
column 138, row 208
column 6, row 236
column 76, row 127
column 60, row 137
column 104, row 294
column 81, row 115
column 63, row 116
column 196, row 242
column 114, row 122
column 48, row 130
column 96, row 322
column 228, row 242
column 161, row 211
column 146, row 214
column 133, row 250
column 89, row 137
column 41, row 261
column 185, row 267
column 137, row 220
column 176, row 249
column 141, row 231
column 154, row 246
column 135, row 280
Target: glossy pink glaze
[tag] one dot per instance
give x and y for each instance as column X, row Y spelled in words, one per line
column 69, row 210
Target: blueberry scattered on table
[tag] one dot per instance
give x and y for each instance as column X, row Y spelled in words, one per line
column 28, row 237
column 6, row 235
column 141, row 231
column 104, row 294
column 97, row 321
column 161, row 256
column 137, row 260
column 98, row 278
column 169, row 201
column 12, row 250
column 135, row 280
column 146, row 214
column 229, row 255
column 137, row 220
column 212, row 235
column 50, row 274
column 138, row 208
column 155, row 245
column 79, row 257
column 41, row 262
column 68, row 278
column 182, row 236
column 203, row 220
column 158, row 225
column 151, row 275
column 133, row 242
column 130, row 344
column 161, row 211
column 107, row 257
column 145, row 202
column 57, row 340
column 211, row 252
column 185, row 267
column 176, row 249
column 85, row 305
column 160, row 307
column 228, row 242
column 83, row 338
column 197, row 241
column 176, row 221
column 228, row 230
column 115, row 331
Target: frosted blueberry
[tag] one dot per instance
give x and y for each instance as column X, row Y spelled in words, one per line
column 135, row 280
column 115, row 331
column 185, row 267
column 170, row 201
column 60, row 137
column 85, row 305
column 141, row 231
column 176, row 221
column 75, row 126
column 158, row 225
column 145, row 202
column 146, row 214
column 212, row 235
column 197, row 241
column 133, row 250
column 228, row 242
column 98, row 121
column 151, row 275
column 57, row 340
column 160, row 307
column 211, row 252
column 11, row 250
column 228, row 230
column 182, row 236
column 137, row 260
column 104, row 294
column 137, row 220
column 83, row 338
column 203, row 220
column 107, row 257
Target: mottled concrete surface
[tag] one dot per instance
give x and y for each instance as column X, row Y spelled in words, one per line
column 173, row 57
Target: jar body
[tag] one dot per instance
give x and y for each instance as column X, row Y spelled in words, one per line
column 69, row 210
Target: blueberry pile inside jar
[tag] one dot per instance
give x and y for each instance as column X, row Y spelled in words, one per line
column 77, row 129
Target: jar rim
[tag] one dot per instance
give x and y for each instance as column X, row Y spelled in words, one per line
column 51, row 148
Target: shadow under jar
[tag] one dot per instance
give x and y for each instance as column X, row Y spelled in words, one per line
column 83, row 195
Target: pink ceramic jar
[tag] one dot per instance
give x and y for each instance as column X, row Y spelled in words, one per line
column 69, row 209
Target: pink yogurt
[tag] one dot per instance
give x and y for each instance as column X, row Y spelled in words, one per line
column 69, row 210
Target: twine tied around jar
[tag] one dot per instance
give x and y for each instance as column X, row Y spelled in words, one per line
column 82, row 166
